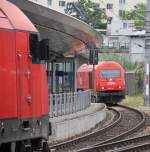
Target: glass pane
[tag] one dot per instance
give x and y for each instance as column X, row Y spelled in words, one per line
column 110, row 73
column 69, row 77
column 59, row 77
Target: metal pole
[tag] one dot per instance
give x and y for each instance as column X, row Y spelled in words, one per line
column 147, row 57
column 54, row 77
column 75, row 77
column 94, row 89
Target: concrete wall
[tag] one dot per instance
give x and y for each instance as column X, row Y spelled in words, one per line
column 54, row 4
column 121, row 27
column 65, row 127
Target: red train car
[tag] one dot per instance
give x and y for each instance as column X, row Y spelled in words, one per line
column 24, row 121
column 109, row 80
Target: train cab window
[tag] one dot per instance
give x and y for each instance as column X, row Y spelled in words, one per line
column 109, row 73
column 34, row 48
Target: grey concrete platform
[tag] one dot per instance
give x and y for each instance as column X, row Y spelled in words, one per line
column 67, row 126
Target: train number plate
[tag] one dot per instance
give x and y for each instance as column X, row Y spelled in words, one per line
column 110, row 83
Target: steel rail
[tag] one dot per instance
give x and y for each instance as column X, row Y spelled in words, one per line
column 121, row 143
column 123, row 135
column 82, row 138
column 109, row 142
column 140, row 147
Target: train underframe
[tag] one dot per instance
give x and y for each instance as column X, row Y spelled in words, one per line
column 25, row 135
column 110, row 97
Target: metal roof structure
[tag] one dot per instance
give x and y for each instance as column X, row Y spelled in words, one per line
column 66, row 34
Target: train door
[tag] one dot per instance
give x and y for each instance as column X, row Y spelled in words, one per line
column 24, row 75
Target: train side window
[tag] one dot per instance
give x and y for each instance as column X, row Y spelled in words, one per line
column 34, row 48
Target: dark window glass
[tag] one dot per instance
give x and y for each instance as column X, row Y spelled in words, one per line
column 121, row 13
column 62, row 3
column 109, row 6
column 109, row 73
column 125, row 25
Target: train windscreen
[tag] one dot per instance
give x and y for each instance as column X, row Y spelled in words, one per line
column 109, row 73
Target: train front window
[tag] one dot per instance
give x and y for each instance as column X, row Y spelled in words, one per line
column 109, row 73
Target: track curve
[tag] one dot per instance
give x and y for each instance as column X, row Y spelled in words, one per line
column 68, row 143
column 101, row 145
column 82, row 141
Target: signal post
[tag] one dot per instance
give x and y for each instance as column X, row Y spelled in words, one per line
column 93, row 59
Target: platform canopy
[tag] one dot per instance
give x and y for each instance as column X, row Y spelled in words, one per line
column 67, row 35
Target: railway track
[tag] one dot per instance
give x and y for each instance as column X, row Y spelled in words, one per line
column 127, row 145
column 116, row 120
column 119, row 129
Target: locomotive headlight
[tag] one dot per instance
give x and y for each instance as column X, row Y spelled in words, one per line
column 119, row 87
column 102, row 88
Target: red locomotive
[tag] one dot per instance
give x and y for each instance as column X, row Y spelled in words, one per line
column 109, row 81
column 24, row 121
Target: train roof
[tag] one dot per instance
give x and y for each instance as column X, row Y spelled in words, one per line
column 85, row 67
column 107, row 63
column 89, row 68
column 13, row 18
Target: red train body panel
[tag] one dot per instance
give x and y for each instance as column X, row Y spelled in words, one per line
column 84, row 77
column 109, row 76
column 24, row 104
column 109, row 80
column 15, row 64
column 7, row 75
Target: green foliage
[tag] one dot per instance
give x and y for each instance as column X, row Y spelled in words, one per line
column 134, row 101
column 139, row 75
column 124, row 61
column 137, row 15
column 95, row 16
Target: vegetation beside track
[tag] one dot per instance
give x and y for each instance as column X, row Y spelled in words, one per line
column 134, row 101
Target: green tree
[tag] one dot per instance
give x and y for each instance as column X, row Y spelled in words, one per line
column 94, row 15
column 138, row 15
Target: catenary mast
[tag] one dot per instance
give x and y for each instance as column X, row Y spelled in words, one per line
column 147, row 57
